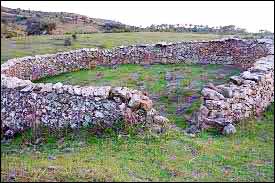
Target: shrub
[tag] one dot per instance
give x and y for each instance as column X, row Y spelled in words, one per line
column 67, row 42
column 74, row 36
column 37, row 27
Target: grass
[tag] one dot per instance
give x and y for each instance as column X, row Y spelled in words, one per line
column 247, row 155
column 35, row 45
column 152, row 80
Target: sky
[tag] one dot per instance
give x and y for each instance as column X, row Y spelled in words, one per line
column 252, row 15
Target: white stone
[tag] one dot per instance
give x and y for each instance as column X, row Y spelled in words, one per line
column 99, row 114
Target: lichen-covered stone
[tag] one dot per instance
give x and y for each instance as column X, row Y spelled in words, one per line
column 250, row 94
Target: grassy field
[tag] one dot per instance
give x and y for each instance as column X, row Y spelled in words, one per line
column 247, row 155
column 34, row 45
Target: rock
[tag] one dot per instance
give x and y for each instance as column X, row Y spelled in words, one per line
column 225, row 91
column 251, row 76
column 190, row 133
column 102, row 92
column 160, row 120
column 216, row 104
column 168, row 76
column 146, row 104
column 34, row 95
column 51, row 157
column 229, row 129
column 11, row 176
column 135, row 76
column 9, row 133
column 123, row 92
column 27, row 88
column 87, row 119
column 122, row 107
column 70, row 90
column 117, row 99
column 211, row 94
column 193, row 129
column 134, row 101
column 236, row 80
column 212, row 86
column 157, row 129
column 99, row 114
column 48, row 87
column 77, row 91
column 204, row 111
column 109, row 106
column 57, row 86
column 87, row 91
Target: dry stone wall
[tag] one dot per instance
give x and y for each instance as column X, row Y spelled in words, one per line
column 244, row 96
column 24, row 103
column 230, row 51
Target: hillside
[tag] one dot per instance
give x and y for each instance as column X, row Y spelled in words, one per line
column 16, row 21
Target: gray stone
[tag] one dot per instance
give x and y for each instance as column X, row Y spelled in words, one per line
column 77, row 91
column 99, row 114
column 48, row 87
column 251, row 76
column 135, row 101
column 229, row 129
column 27, row 88
column 102, row 91
column 211, row 94
column 236, row 80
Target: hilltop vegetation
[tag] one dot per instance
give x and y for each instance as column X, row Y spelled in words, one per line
column 16, row 22
column 19, row 22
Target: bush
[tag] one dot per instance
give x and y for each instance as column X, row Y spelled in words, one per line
column 74, row 36
column 37, row 27
column 67, row 42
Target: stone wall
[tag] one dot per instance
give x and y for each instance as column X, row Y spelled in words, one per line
column 24, row 103
column 244, row 96
column 229, row 51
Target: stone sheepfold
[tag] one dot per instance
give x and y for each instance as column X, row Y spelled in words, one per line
column 244, row 96
column 24, row 104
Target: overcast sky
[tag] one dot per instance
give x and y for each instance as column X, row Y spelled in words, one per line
column 250, row 15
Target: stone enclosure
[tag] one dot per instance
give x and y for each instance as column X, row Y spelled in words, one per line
column 25, row 104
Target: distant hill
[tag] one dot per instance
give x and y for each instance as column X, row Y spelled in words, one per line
column 16, row 22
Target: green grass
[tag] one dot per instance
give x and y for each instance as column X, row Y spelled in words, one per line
column 247, row 155
column 34, row 45
column 154, row 83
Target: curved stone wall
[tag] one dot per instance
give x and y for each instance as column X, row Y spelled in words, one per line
column 24, row 103
column 230, row 51
column 244, row 96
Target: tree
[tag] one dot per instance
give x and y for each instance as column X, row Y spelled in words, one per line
column 37, row 27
